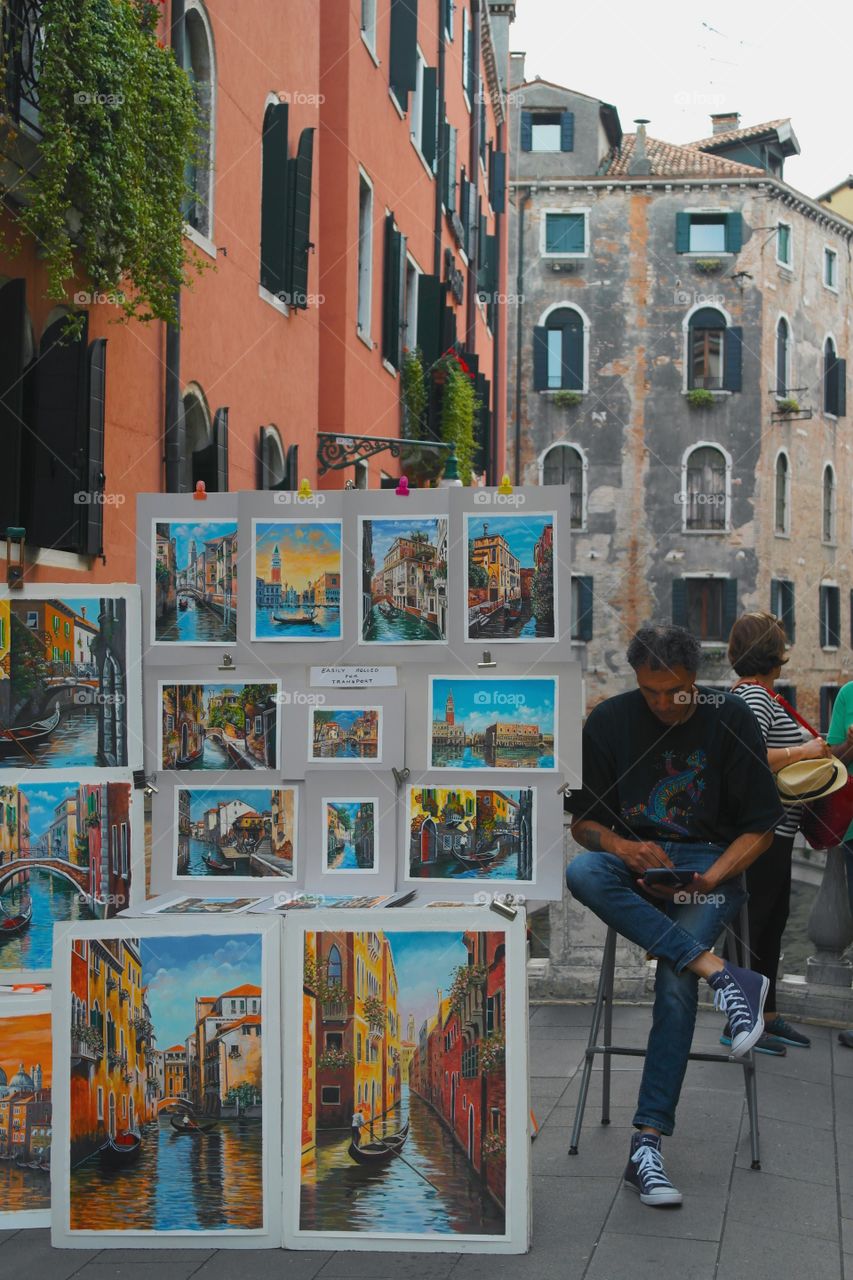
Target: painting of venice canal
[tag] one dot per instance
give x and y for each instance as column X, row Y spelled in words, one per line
column 404, row 1083
column 166, row 1084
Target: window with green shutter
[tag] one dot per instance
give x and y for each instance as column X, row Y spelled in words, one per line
column 782, row 605
column 708, row 233
column 565, row 233
column 393, row 284
column 274, row 198
column 403, row 62
column 707, row 607
column 829, row 603
column 582, row 602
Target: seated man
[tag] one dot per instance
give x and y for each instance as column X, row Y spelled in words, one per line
column 673, row 776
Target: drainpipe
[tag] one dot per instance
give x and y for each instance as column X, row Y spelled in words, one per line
column 173, row 424
column 492, row 478
column 442, row 80
column 474, row 175
column 519, row 286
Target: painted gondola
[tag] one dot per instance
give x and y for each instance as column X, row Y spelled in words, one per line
column 183, row 603
column 120, row 1151
column 11, row 926
column 294, row 619
column 188, row 1124
column 381, row 1151
column 478, row 859
column 23, row 737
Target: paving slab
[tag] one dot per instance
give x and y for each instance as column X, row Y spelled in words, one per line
column 600, row 1154
column 788, row 1148
column 647, row 1258
column 291, row 1264
column 768, row 1253
column 387, row 1266
column 784, row 1098
column 105, row 1267
column 764, row 1197
column 556, row 1057
column 28, row 1255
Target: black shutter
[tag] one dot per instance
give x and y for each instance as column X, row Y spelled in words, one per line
column 682, row 233
column 274, row 199
column 572, row 372
column 788, row 612
column 429, row 318
column 567, row 131
column 527, row 130
column 734, row 232
column 465, row 212
column 220, row 442
column 301, row 170
column 679, row 602
column 429, row 121
column 52, row 451
column 483, row 147
column 403, row 66
column 733, row 359
column 13, row 319
column 583, row 622
column 391, row 292
column 540, row 358
column 841, row 388
column 729, row 605
column 472, row 77
column 291, row 468
column 92, row 470
column 487, row 283
column 834, row 616
column 497, row 182
column 775, row 598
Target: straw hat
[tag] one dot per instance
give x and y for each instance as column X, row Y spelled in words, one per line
column 807, row 780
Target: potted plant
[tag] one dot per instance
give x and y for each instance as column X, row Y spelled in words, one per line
column 459, row 410
column 700, row 398
column 708, row 266
column 566, row 399
column 788, row 405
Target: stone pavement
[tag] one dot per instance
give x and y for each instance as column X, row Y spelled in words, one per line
column 793, row 1218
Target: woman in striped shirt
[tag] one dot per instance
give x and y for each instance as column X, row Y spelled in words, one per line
column 757, row 653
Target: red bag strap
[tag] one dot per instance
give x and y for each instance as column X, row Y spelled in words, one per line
column 784, row 703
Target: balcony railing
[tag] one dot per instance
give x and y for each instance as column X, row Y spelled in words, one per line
column 22, row 41
column 335, row 1010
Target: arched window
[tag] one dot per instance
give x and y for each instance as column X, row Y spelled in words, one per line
column 834, row 375
column 783, row 482
column 705, row 487
column 559, row 352
column 828, row 521
column 783, row 357
column 335, row 967
column 706, row 351
column 205, row 443
column 200, row 68
column 563, row 464
column 278, row 466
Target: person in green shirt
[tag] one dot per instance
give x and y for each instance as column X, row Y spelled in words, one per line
column 840, row 739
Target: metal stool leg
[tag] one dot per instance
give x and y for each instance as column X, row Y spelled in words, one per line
column 608, row 1032
column 604, row 993
column 749, row 1063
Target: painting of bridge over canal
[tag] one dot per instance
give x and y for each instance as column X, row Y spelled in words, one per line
column 63, row 682
column 510, row 580
column 482, row 834
column 297, row 571
column 25, row 1110
column 219, row 726
column 236, row 831
column 66, row 853
column 166, row 1083
column 195, row 582
column 403, row 580
column 403, row 1123
column 345, row 733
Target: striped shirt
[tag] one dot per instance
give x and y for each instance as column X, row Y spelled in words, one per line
column 778, row 729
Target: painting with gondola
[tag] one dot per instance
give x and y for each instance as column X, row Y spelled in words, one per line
column 69, row 850
column 69, row 678
column 25, row 1110
column 228, row 834
column 194, row 588
column 297, row 576
column 219, row 726
column 168, row 1070
column 471, row 833
column 509, row 576
column 403, row 567
column 408, row 1120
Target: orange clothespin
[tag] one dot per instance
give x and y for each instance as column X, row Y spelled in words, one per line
column 200, row 493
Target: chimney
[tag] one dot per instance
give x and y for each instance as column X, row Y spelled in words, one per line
column 723, row 121
column 501, row 17
column 516, row 69
column 640, row 165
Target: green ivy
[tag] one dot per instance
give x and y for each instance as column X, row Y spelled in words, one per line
column 119, row 129
column 459, row 409
column 700, row 398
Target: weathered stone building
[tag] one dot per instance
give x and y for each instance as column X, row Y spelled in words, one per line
column 675, row 303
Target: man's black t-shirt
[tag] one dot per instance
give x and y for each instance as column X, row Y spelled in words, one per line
column 704, row 780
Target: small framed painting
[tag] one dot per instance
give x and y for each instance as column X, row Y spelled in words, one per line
column 194, row 588
column 345, row 733
column 26, row 1122
column 167, row 1050
column 331, row 730
column 410, row 1042
column 351, row 833
column 218, row 726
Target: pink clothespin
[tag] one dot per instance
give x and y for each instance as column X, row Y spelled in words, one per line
column 403, row 487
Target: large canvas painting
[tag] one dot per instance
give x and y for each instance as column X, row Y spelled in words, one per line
column 492, row 722
column 168, row 1072
column 297, row 575
column 403, row 580
column 67, row 852
column 194, row 593
column 471, row 833
column 510, row 581
column 406, row 1128
column 68, row 689
column 25, row 1110
column 235, row 832
column 219, row 726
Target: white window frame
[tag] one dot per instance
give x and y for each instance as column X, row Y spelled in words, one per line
column 364, row 267
column 467, row 37
column 540, row 475
column 685, row 361
column 785, row 532
column 685, row 459
column 416, row 112
column 206, row 242
column 832, row 540
column 413, row 275
column 545, row 151
column 828, row 252
column 565, row 304
column 828, row 648
column 789, row 354
column 708, row 253
column 704, row 577
column 583, row 209
column 789, row 265
column 368, row 31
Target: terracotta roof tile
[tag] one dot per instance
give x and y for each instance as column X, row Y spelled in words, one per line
column 246, row 990
column 737, row 135
column 668, row 160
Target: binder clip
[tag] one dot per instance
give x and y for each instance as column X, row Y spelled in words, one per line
column 505, row 488
column 403, row 487
column 141, row 782
column 303, row 493
column 15, row 557
column 487, row 659
column 200, row 491
column 400, row 776
column 227, row 663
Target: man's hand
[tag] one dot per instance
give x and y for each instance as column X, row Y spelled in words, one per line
column 639, row 855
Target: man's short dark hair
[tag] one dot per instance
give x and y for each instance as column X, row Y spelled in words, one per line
column 663, row 648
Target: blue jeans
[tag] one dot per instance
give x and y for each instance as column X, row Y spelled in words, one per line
column 847, row 846
column 676, row 934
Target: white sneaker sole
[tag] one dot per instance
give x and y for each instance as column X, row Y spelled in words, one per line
column 661, row 1200
column 741, row 1045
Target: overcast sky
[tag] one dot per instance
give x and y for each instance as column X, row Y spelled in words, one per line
column 676, row 63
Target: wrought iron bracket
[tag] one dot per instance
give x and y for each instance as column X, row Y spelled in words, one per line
column 334, row 452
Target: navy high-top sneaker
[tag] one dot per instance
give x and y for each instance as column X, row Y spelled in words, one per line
column 645, row 1173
